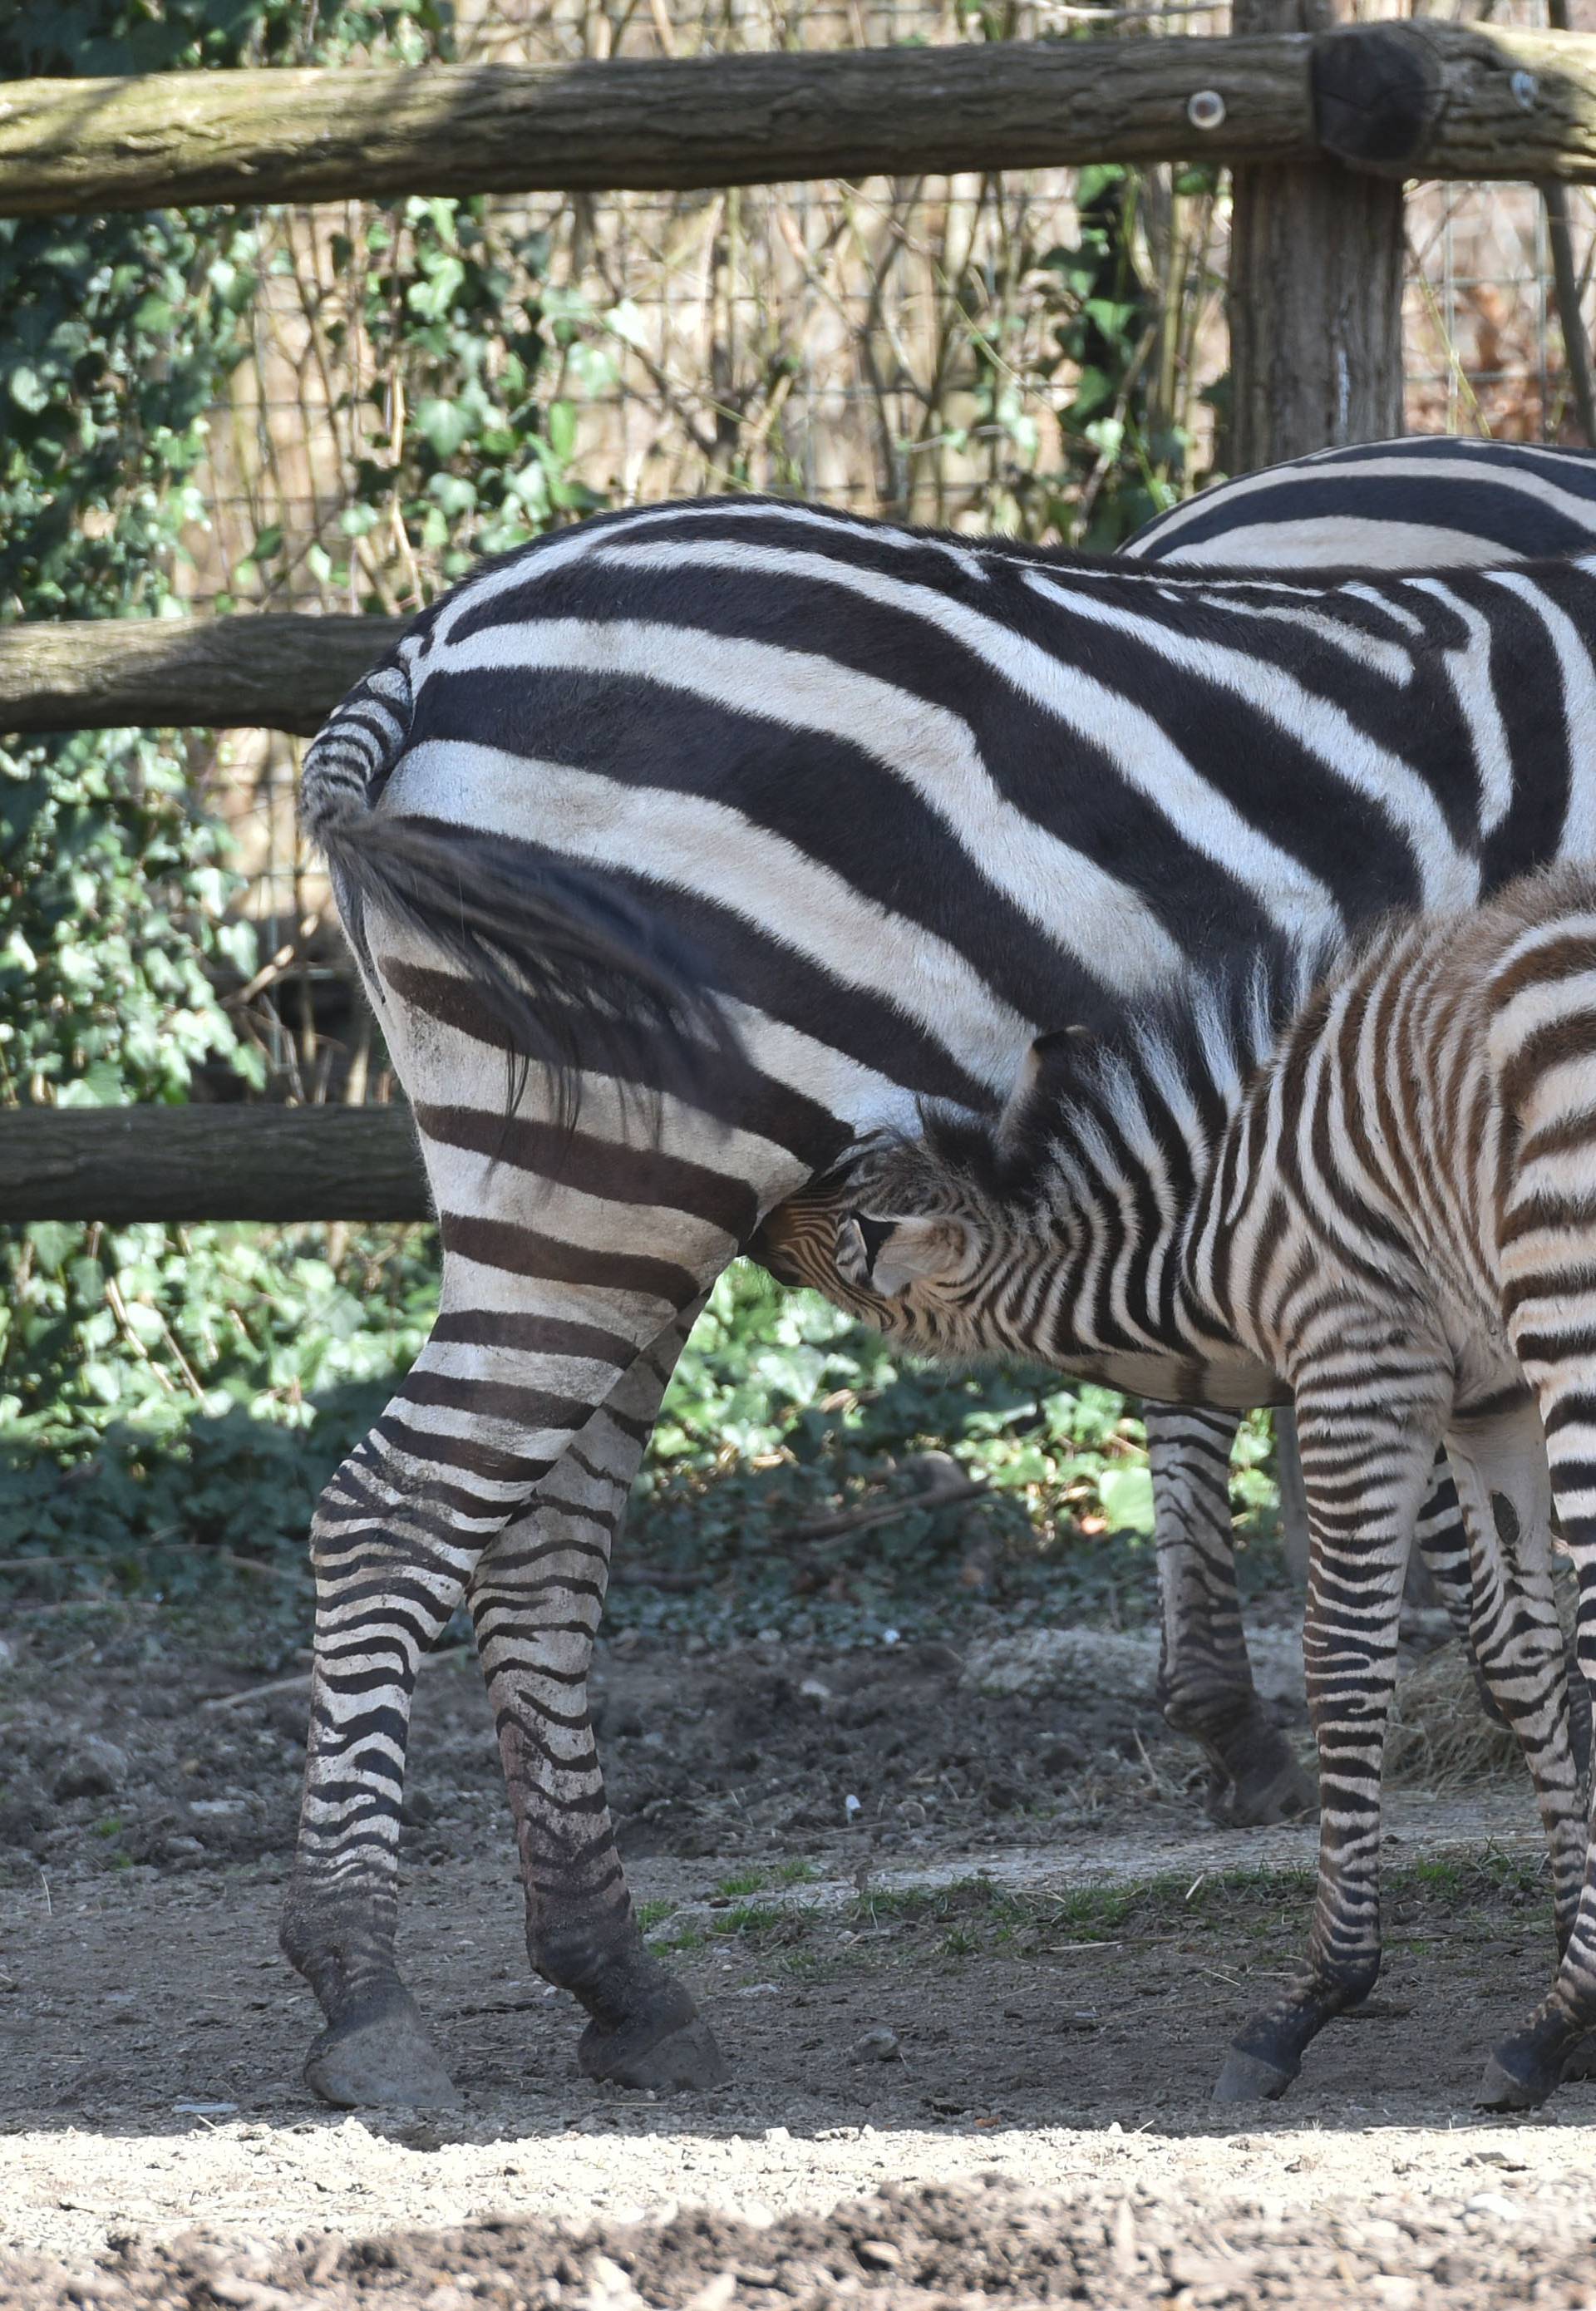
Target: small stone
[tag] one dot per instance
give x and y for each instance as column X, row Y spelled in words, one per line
column 880, row 2045
column 95, row 1769
column 879, row 2255
column 181, row 1849
column 1493, row 2206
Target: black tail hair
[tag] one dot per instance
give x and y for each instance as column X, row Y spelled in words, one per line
column 578, row 974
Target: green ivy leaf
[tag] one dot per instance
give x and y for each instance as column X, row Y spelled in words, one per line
column 1126, row 1492
column 445, row 425
column 28, row 389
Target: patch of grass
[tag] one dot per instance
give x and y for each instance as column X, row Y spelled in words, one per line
column 650, row 1915
column 1443, row 1874
column 973, row 1916
column 754, row 1918
column 1094, row 1912
column 743, row 1881
column 798, row 1873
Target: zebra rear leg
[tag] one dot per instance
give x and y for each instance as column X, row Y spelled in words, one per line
column 1529, row 2064
column 1505, row 1490
column 390, row 1570
column 1366, row 1470
column 519, row 1360
column 536, row 1600
column 1204, row 1685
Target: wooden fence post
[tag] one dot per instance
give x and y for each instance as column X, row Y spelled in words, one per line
column 1315, row 297
column 1315, row 310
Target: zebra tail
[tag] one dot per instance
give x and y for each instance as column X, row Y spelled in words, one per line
column 578, row 975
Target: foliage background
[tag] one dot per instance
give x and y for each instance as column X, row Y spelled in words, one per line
column 171, row 1400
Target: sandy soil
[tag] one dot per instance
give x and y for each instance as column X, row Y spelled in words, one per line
column 1035, row 1984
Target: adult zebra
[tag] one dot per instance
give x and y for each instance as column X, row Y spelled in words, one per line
column 892, row 801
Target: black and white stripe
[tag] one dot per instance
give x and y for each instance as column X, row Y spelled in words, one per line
column 1373, row 1189
column 786, row 822
column 1422, row 504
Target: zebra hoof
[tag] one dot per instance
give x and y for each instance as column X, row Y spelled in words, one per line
column 380, row 2054
column 685, row 2057
column 1249, row 2078
column 1502, row 2089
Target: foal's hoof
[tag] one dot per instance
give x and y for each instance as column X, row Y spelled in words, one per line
column 632, row 2056
column 1519, row 2083
column 379, row 2053
column 1249, row 2078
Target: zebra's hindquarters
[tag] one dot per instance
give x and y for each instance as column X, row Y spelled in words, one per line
column 584, row 1205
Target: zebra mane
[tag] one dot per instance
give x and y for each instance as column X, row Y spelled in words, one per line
column 1155, row 1076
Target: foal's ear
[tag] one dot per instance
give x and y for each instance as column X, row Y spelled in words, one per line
column 890, row 1256
column 1048, row 1045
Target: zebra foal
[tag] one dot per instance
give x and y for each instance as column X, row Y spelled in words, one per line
column 1373, row 1189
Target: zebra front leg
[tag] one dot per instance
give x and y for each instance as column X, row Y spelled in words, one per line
column 1204, row 1685
column 537, row 1599
column 1366, row 1470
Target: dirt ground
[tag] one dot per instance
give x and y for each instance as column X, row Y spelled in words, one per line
column 974, row 2018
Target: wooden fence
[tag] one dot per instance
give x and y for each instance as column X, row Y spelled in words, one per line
column 1320, row 123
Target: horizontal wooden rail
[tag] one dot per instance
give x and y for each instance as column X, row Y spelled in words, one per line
column 1423, row 99
column 306, row 134
column 279, row 671
column 122, row 1164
